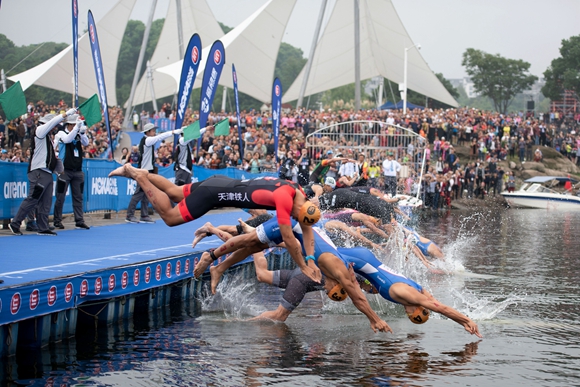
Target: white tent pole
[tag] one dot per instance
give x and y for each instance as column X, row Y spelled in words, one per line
column 380, row 96
column 421, row 175
column 3, row 80
column 356, row 56
column 224, row 98
column 139, row 65
column 150, row 79
column 311, row 55
column 179, row 29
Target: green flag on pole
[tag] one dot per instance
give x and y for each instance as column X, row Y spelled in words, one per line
column 91, row 110
column 222, row 128
column 191, row 132
column 13, row 102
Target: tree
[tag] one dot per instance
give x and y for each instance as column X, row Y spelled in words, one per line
column 496, row 77
column 564, row 72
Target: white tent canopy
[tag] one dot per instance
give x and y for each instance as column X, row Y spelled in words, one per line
column 196, row 16
column 252, row 46
column 383, row 40
column 57, row 72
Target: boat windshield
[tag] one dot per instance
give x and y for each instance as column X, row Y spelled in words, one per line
column 540, row 189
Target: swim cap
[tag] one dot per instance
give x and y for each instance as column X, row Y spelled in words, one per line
column 337, row 293
column 419, row 316
column 309, row 214
column 330, row 181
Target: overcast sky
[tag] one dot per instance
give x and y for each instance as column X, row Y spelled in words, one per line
column 531, row 30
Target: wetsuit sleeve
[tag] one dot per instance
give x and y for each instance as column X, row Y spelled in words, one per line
column 284, row 200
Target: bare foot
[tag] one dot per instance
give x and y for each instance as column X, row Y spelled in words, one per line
column 215, row 278
column 119, row 172
column 203, row 263
column 245, row 228
column 200, row 233
column 133, row 172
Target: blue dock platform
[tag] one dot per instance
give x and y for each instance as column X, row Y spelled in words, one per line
column 99, row 272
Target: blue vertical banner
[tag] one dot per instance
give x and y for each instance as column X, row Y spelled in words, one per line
column 75, row 39
column 235, row 78
column 98, row 63
column 191, row 61
column 276, row 109
column 211, row 75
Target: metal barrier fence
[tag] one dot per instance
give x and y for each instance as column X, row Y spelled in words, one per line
column 373, row 138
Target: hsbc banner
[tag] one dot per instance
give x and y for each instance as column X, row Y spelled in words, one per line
column 101, row 191
column 191, row 62
column 276, row 110
column 75, row 40
column 235, row 79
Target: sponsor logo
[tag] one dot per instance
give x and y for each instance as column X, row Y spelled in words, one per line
column 15, row 303
column 186, row 90
column 205, row 105
column 98, row 285
column 178, row 268
column 84, row 288
column 235, row 77
column 104, row 186
column 217, row 57
column 75, row 10
column 92, row 33
column 15, row 190
column 168, row 270
column 277, row 89
column 124, row 280
column 51, row 297
column 147, row 275
column 187, row 266
column 68, row 292
column 112, row 279
column 136, row 277
column 131, row 187
column 34, row 299
column 195, row 55
column 158, row 273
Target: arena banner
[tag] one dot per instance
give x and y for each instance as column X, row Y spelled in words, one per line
column 191, row 61
column 211, row 75
column 235, row 78
column 276, row 109
column 98, row 63
column 75, row 40
column 101, row 191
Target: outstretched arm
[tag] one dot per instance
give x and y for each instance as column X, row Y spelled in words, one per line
column 295, row 250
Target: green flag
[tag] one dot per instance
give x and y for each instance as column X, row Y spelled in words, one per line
column 191, row 132
column 91, row 110
column 13, row 102
column 222, row 128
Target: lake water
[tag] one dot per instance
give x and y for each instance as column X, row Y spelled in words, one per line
column 515, row 272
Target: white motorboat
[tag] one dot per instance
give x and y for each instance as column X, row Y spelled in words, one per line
column 538, row 192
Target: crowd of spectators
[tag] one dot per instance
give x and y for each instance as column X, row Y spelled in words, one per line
column 490, row 137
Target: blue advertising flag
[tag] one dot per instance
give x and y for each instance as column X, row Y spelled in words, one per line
column 276, row 108
column 211, row 75
column 191, row 61
column 75, row 39
column 96, row 51
column 235, row 77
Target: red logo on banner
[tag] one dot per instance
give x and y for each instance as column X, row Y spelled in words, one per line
column 98, row 285
column 178, row 268
column 187, row 266
column 235, row 77
column 75, row 8
column 124, row 280
column 277, row 90
column 51, row 295
column 168, row 270
column 147, row 275
column 15, row 303
column 68, row 292
column 34, row 299
column 92, row 33
column 217, row 56
column 195, row 55
column 112, row 279
column 136, row 277
column 158, row 273
column 84, row 288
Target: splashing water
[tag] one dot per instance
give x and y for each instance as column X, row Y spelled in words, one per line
column 235, row 296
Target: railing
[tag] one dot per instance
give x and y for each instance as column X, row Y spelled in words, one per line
column 373, row 138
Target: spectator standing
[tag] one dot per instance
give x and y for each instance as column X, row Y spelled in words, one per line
column 70, row 142
column 304, row 163
column 390, row 169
